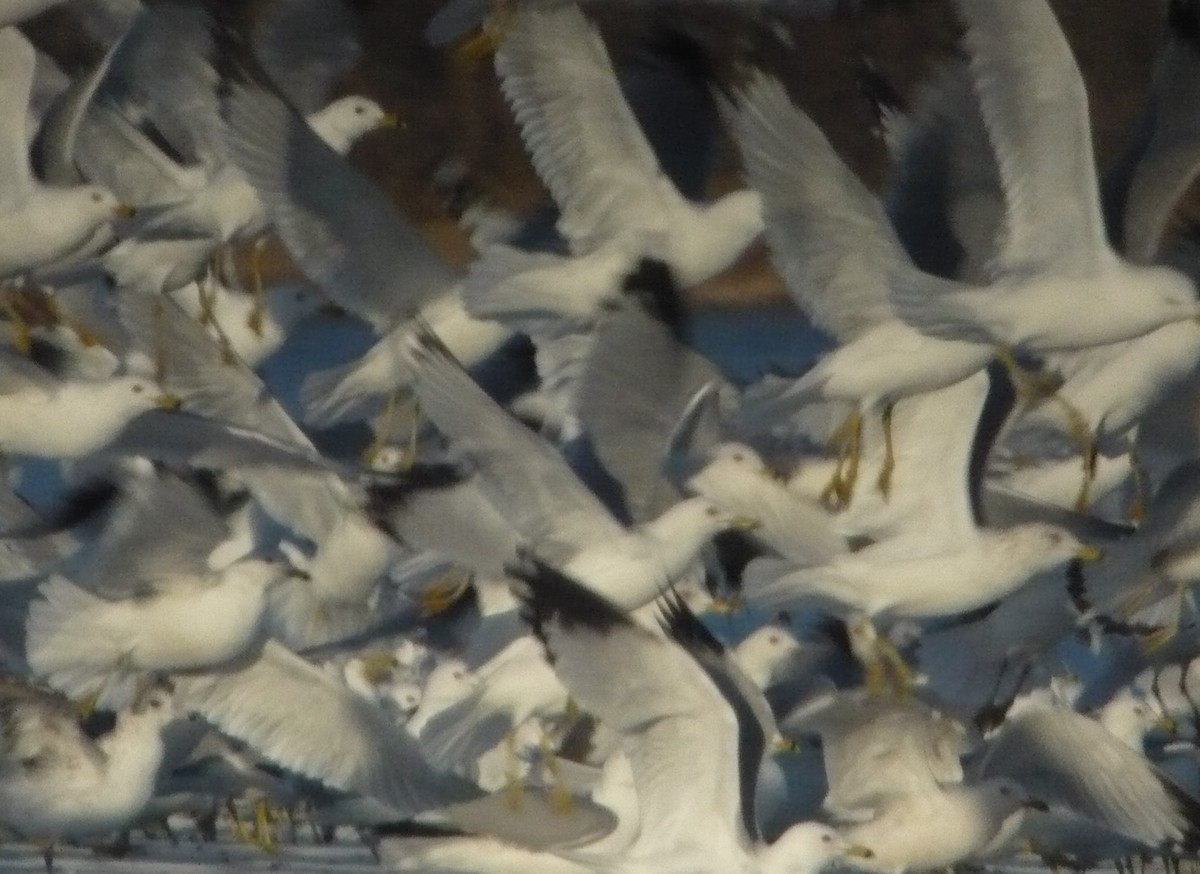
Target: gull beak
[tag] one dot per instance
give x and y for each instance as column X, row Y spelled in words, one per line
column 744, row 523
column 858, row 851
column 783, row 744
column 1089, row 553
column 169, row 402
column 1036, row 804
column 124, row 211
column 389, row 119
column 1167, row 725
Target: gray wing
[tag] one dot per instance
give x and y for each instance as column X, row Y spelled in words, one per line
column 523, row 474
column 17, row 62
column 1035, row 106
column 1065, row 757
column 296, row 715
column 638, row 379
column 829, row 236
column 1171, row 157
column 161, row 530
column 212, row 382
column 54, row 148
column 183, row 439
column 337, row 224
column 876, row 749
column 680, row 734
column 305, row 46
column 583, row 138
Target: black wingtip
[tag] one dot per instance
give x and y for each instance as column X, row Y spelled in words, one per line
column 548, row 595
column 680, row 624
column 653, row 286
column 1188, row 808
column 879, row 91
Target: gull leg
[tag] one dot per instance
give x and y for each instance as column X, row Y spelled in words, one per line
column 479, row 46
column 47, row 855
column 514, row 785
column 901, row 673
column 561, row 800
column 1031, row 386
column 884, row 483
column 847, row 440
column 22, row 338
column 387, row 424
column 1163, row 635
column 240, row 832
column 1137, row 507
column 443, row 594
column 264, row 826
column 255, row 320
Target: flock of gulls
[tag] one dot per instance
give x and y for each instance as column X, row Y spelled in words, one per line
column 528, row 583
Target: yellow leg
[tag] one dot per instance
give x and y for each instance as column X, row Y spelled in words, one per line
column 21, row 332
column 1031, row 387
column 240, row 832
column 386, row 425
column 1137, row 507
column 483, row 44
column 889, row 454
column 255, row 320
column 561, row 800
column 1163, row 635
column 514, row 785
column 1084, row 498
column 847, row 441
column 264, row 826
column 47, row 848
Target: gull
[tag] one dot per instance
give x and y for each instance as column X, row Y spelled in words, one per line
column 41, row 224
column 349, row 552
column 350, row 240
column 693, row 737
column 56, row 783
column 839, row 256
column 558, row 517
column 308, row 721
column 895, row 777
column 930, row 555
column 617, row 205
column 1074, row 763
column 1057, row 284
column 146, row 600
column 49, row 416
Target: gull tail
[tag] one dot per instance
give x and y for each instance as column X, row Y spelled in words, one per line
column 72, row 642
column 458, row 736
column 339, row 394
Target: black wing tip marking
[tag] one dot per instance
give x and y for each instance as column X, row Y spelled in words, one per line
column 1188, row 808
column 549, row 595
column 680, row 624
column 878, row 90
column 653, row 286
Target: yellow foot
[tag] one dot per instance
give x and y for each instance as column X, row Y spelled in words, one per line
column 561, row 800
column 264, row 826
column 1032, row 386
column 846, row 440
column 440, row 596
column 254, row 321
column 385, row 427
column 884, row 483
column 480, row 46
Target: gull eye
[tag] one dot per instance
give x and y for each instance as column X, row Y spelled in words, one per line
column 138, row 388
column 97, row 197
column 826, row 839
column 738, row 457
column 359, row 110
column 458, row 675
column 712, row 512
column 772, row 639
